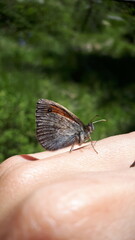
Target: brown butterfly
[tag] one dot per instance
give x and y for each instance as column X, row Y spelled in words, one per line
column 57, row 127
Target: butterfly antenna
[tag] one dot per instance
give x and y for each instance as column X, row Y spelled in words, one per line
column 94, row 117
column 101, row 120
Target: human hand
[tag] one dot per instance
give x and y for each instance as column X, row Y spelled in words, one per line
column 79, row 195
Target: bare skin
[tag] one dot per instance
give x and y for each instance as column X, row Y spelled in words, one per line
column 78, row 195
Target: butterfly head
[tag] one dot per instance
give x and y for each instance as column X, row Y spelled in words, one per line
column 90, row 127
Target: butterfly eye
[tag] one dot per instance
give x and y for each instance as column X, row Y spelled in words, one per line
column 49, row 110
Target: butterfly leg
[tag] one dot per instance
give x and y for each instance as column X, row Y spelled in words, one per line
column 71, row 149
column 81, row 138
column 76, row 140
column 93, row 145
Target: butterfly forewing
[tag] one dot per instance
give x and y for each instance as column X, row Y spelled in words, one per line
column 56, row 126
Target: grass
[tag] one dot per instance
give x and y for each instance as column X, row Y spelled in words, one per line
column 23, row 81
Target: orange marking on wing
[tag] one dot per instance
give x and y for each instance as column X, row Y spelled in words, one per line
column 62, row 112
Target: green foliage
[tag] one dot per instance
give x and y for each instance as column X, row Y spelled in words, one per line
column 78, row 53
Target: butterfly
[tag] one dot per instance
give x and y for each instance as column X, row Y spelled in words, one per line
column 57, row 127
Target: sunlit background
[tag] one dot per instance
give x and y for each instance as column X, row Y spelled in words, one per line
column 80, row 54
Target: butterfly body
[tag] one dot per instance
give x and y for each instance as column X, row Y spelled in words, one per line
column 57, row 127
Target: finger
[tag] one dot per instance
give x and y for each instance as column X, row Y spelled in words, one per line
column 116, row 152
column 46, row 154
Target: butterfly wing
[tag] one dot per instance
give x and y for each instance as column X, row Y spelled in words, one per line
column 56, row 127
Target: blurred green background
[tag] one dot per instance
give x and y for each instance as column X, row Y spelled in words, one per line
column 80, row 54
